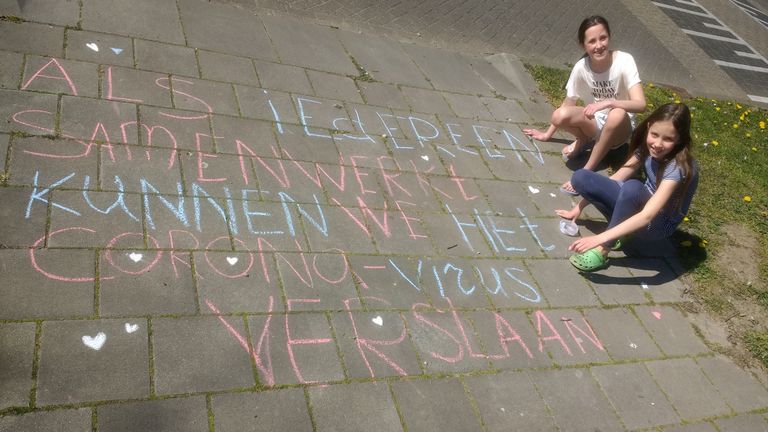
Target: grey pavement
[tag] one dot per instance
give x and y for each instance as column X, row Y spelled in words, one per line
column 222, row 217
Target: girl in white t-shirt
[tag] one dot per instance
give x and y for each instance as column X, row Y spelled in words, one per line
column 608, row 83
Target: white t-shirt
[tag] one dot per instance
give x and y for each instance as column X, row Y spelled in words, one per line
column 614, row 83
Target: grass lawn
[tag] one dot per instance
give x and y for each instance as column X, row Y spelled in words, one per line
column 723, row 243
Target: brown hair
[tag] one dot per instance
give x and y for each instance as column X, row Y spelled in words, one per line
column 590, row 22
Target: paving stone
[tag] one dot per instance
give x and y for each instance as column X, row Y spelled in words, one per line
column 696, row 427
column 508, row 283
column 86, row 361
column 382, row 94
column 78, row 420
column 295, row 145
column 282, row 77
column 689, row 390
column 34, row 113
column 740, row 389
column 45, row 162
column 104, row 222
column 325, row 287
column 236, row 282
column 189, row 353
column 503, row 85
column 10, row 69
column 661, row 280
column 64, row 14
column 671, row 330
column 509, row 340
column 461, row 195
column 31, row 38
column 17, row 357
column 358, row 402
column 174, row 129
column 508, row 110
column 467, row 106
column 638, row 400
column 308, row 45
column 145, row 19
column 445, row 341
column 53, row 75
column 622, row 334
column 97, row 120
column 146, row 287
column 434, row 405
column 171, row 415
column 509, row 401
column 615, row 285
column 334, row 86
column 457, row 235
column 61, row 288
column 548, row 274
column 225, row 28
column 300, row 346
column 374, row 344
column 112, row 49
column 128, row 85
column 4, row 144
column 344, row 232
column 742, row 423
column 389, row 282
column 269, row 105
column 384, row 59
column 204, row 96
column 256, row 137
column 447, row 70
column 454, row 283
column 569, row 338
column 587, row 412
column 160, row 57
column 159, row 170
column 228, row 68
column 426, row 101
column 271, row 410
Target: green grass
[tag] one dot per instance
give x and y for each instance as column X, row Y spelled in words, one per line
column 731, row 146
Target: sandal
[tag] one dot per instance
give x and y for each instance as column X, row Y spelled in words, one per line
column 589, row 261
column 568, row 189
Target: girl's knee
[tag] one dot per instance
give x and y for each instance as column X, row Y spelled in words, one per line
column 581, row 178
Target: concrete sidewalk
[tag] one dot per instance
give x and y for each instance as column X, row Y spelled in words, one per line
column 218, row 219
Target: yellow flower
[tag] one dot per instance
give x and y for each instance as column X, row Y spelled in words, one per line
column 738, row 106
column 747, row 198
column 650, row 85
column 686, row 243
column 748, row 135
column 677, row 101
column 761, row 124
column 703, row 244
column 717, row 108
column 754, row 149
column 715, row 142
column 735, row 126
column 685, row 219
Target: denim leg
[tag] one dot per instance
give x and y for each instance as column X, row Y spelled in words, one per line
column 632, row 198
column 599, row 190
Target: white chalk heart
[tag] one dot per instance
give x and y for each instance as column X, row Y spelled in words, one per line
column 657, row 314
column 232, row 260
column 130, row 328
column 378, row 320
column 552, row 195
column 425, row 157
column 117, row 51
column 135, row 256
column 644, row 285
column 95, row 342
column 92, row 46
column 533, row 190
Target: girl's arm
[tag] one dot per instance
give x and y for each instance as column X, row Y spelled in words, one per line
column 635, row 104
column 627, row 170
column 547, row 135
column 640, row 220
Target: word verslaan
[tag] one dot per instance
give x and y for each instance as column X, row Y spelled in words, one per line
column 450, row 340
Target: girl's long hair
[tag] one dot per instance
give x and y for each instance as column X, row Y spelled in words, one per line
column 680, row 117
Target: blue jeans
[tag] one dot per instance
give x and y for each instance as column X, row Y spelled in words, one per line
column 617, row 201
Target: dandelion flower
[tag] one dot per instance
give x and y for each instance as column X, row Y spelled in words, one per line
column 747, row 198
column 703, row 244
column 754, row 149
column 735, row 125
column 715, row 142
column 717, row 108
column 685, row 219
column 761, row 124
column 738, row 106
column 748, row 135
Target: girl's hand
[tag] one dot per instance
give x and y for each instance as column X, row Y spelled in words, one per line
column 571, row 214
column 537, row 134
column 592, row 108
column 585, row 243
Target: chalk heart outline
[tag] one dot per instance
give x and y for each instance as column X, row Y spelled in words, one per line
column 657, row 314
column 130, row 328
column 378, row 320
column 425, row 157
column 135, row 256
column 533, row 189
column 95, row 342
column 232, row 260
column 92, row 46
